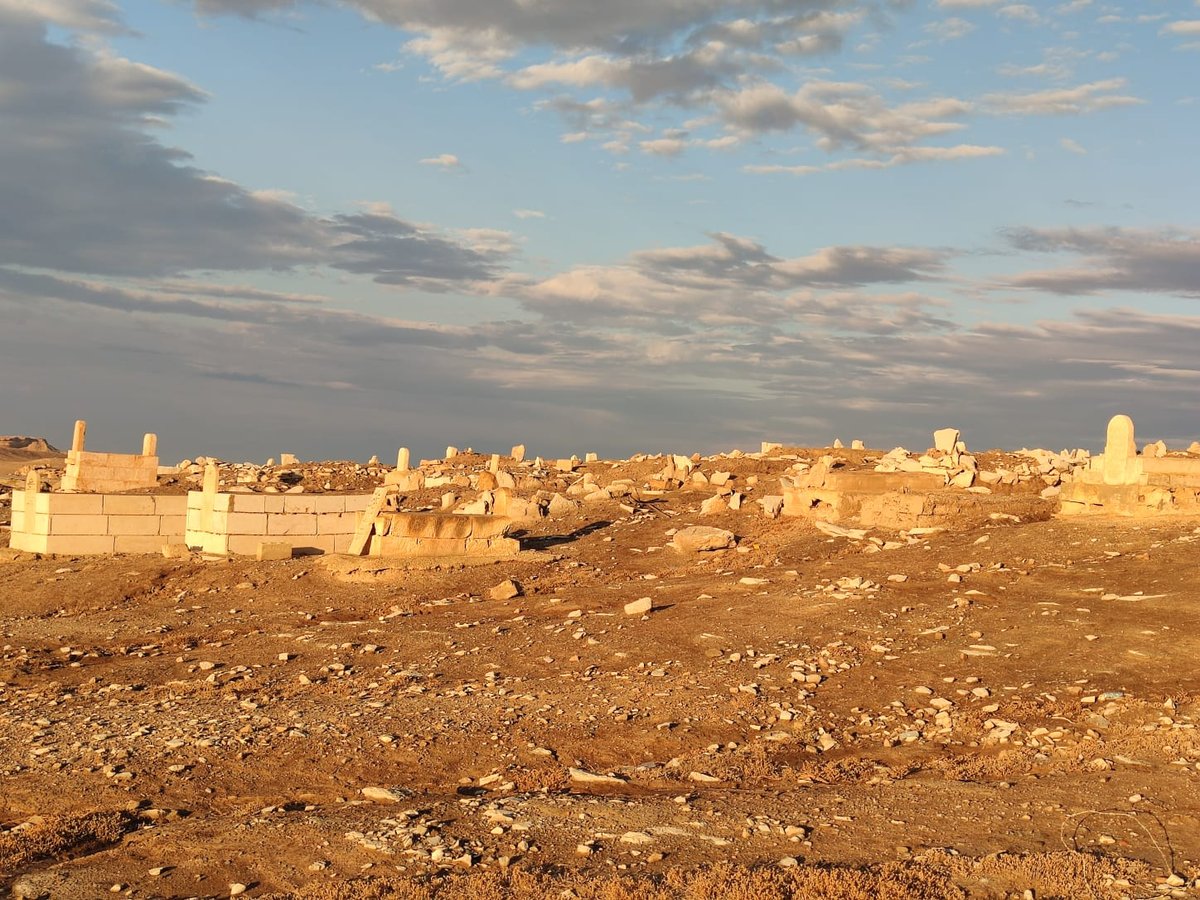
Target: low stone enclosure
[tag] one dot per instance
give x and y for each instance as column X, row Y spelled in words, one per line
column 220, row 524
column 94, row 523
column 905, row 493
column 240, row 523
column 1122, row 482
column 899, row 501
column 441, row 535
column 945, row 487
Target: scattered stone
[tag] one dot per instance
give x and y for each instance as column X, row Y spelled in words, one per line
column 702, row 538
column 583, row 776
column 273, row 551
column 383, row 795
column 506, row 590
column 638, row 838
column 639, row 607
column 945, row 440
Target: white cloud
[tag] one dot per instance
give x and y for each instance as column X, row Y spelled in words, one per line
column 1020, row 11
column 1186, row 29
column 1072, row 146
column 1058, row 63
column 1084, row 98
column 81, row 15
column 446, row 161
column 842, row 115
column 909, row 155
column 664, row 146
column 950, row 29
column 529, row 214
column 464, row 55
column 1190, row 27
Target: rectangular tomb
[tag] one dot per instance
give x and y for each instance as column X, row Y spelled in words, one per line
column 1122, row 482
column 448, row 535
column 111, row 473
column 84, row 524
column 234, row 523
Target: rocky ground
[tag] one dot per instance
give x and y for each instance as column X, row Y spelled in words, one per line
column 1000, row 711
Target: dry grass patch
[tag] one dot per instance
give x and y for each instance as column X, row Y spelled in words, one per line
column 53, row 837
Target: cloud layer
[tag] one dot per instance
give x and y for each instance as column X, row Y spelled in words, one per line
column 146, row 278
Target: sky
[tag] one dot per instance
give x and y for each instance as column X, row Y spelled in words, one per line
column 335, row 229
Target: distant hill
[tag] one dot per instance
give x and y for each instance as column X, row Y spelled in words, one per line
column 19, row 451
column 29, row 446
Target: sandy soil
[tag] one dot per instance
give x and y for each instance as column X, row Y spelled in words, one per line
column 787, row 722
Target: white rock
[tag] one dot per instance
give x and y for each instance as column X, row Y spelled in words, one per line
column 382, row 795
column 639, row 607
column 583, row 776
column 636, row 837
column 701, row 538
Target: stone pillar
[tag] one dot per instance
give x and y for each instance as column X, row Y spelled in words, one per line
column 494, row 463
column 78, row 439
column 946, row 440
column 518, row 453
column 150, row 445
column 502, row 498
column 451, row 452
column 402, row 460
column 1121, row 464
column 209, row 500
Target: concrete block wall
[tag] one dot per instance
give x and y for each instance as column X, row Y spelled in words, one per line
column 236, row 523
column 82, row 524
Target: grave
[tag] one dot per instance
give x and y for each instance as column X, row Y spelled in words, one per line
column 83, row 524
column 111, row 473
column 1120, row 482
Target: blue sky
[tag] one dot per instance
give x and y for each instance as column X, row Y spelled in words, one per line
column 335, row 228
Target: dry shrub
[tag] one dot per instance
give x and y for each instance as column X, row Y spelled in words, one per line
column 852, row 770
column 751, row 764
column 1071, row 876
column 548, row 778
column 983, row 766
column 56, row 836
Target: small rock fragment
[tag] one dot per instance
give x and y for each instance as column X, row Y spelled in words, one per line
column 506, row 590
column 639, row 607
column 382, row 794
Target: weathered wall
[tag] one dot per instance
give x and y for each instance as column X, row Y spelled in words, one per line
column 406, row 535
column 109, row 472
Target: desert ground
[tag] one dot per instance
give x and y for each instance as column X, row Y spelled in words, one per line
column 993, row 709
